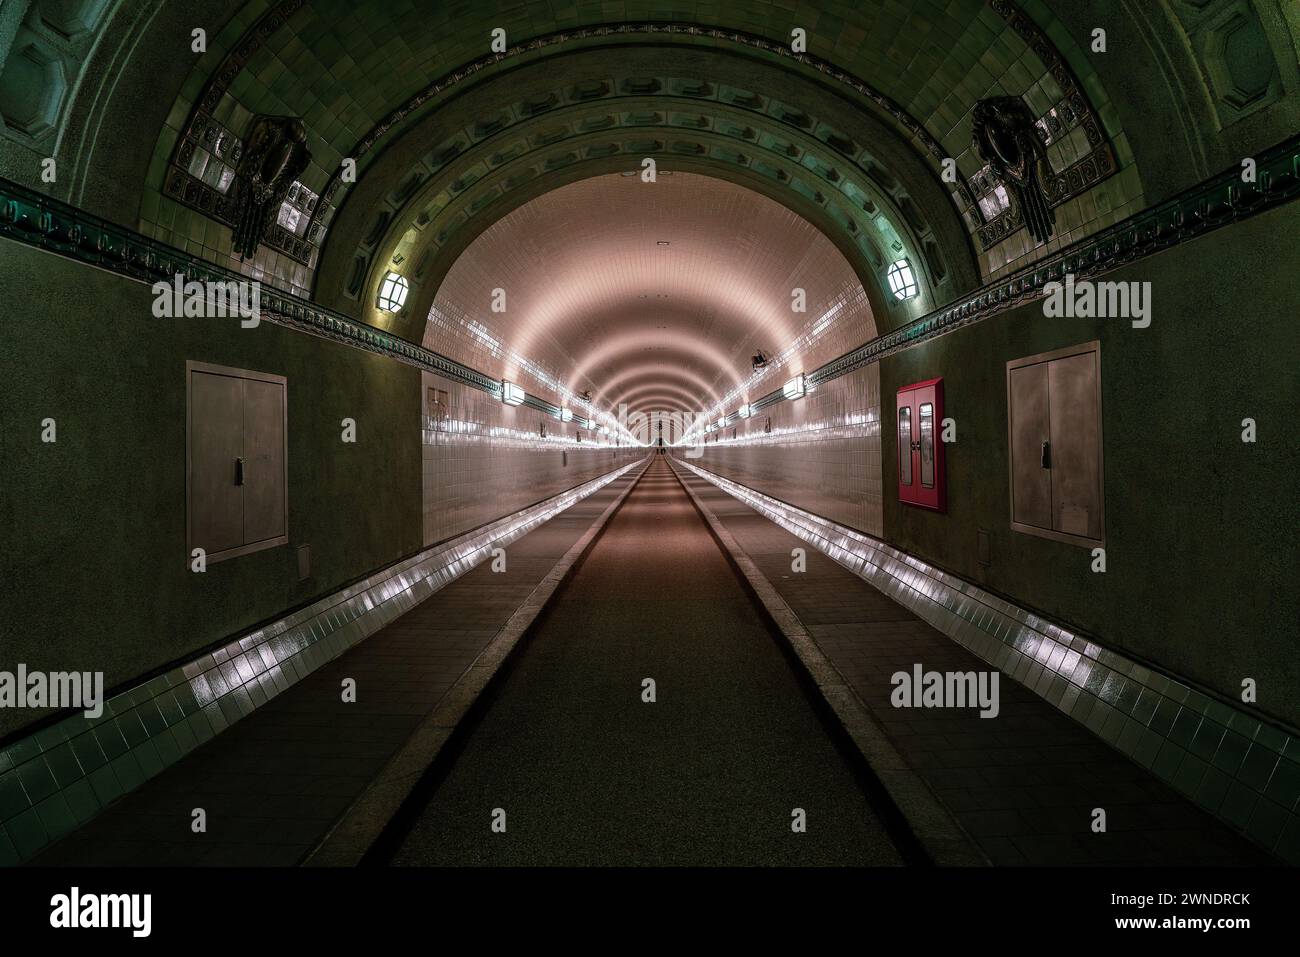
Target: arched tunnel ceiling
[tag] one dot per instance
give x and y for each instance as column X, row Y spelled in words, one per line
column 492, row 151
column 652, row 294
column 850, row 135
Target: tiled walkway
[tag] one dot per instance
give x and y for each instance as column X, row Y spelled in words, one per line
column 1024, row 784
column 274, row 783
column 710, row 773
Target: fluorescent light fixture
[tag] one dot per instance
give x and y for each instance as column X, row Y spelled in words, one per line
column 511, row 394
column 794, row 389
column 744, row 411
column 566, row 415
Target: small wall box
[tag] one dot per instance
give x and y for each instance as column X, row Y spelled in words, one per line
column 922, row 475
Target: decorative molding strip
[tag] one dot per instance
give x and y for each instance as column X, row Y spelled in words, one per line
column 1217, row 202
column 1243, row 770
column 61, row 776
column 38, row 220
column 35, row 219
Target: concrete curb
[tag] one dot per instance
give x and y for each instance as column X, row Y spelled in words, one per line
column 940, row 835
column 360, row 826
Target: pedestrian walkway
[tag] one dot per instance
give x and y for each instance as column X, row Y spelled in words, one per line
column 1024, row 785
column 580, row 768
column 272, row 785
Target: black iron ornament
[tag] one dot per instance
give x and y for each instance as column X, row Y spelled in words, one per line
column 275, row 154
column 1007, row 139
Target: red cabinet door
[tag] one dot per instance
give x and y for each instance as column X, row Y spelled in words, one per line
column 921, row 476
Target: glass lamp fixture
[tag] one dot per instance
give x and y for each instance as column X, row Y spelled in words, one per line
column 392, row 292
column 794, row 389
column 511, row 394
column 902, row 280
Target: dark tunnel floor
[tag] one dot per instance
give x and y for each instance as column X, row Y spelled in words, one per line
column 710, row 773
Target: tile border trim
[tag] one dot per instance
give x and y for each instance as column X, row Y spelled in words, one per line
column 1240, row 768
column 940, row 835
column 363, row 823
column 59, row 777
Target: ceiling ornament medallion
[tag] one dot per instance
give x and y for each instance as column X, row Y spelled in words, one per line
column 204, row 135
column 275, row 154
column 1074, row 110
column 1007, row 139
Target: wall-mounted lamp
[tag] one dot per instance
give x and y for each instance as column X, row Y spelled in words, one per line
column 902, row 280
column 511, row 394
column 794, row 389
column 744, row 411
column 392, row 292
column 566, row 415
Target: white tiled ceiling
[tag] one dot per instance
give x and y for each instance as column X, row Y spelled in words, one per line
column 593, row 298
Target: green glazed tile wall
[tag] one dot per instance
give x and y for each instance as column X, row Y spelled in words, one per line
column 344, row 65
column 1242, row 770
column 63, row 775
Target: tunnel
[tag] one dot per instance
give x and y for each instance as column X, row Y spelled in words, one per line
column 635, row 435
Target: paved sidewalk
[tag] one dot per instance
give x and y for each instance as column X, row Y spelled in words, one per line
column 274, row 783
column 1024, row 784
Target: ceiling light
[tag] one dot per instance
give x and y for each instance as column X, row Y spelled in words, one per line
column 794, row 389
column 662, row 242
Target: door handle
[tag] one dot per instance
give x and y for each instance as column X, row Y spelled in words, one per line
column 1046, row 455
column 239, row 471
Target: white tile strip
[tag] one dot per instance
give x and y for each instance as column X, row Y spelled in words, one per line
column 1243, row 770
column 77, row 766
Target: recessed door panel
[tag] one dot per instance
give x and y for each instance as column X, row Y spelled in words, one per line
column 264, row 460
column 1076, row 445
column 1055, row 445
column 1031, row 478
column 216, row 446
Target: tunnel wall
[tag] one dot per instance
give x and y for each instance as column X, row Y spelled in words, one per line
column 822, row 453
column 483, row 459
column 1199, row 526
column 95, row 568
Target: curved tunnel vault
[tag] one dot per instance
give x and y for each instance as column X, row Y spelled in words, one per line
column 615, row 283
column 498, row 245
